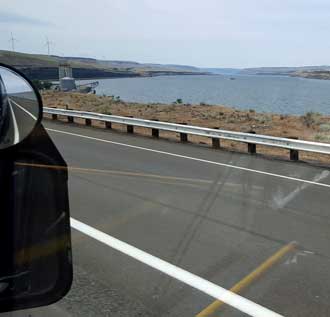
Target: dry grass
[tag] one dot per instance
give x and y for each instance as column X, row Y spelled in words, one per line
column 312, row 126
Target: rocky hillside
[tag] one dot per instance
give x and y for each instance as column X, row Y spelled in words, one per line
column 38, row 66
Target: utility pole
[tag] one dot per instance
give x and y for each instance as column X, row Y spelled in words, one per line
column 12, row 40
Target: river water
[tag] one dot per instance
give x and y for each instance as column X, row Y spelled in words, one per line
column 287, row 95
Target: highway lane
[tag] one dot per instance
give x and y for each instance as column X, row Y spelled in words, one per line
column 23, row 114
column 218, row 219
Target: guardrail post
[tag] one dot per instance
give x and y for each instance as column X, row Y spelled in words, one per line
column 54, row 117
column 252, row 148
column 130, row 128
column 88, row 122
column 70, row 119
column 216, row 141
column 108, row 125
column 183, row 136
column 294, row 154
column 154, row 131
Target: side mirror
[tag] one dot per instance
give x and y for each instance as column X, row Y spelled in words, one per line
column 35, row 238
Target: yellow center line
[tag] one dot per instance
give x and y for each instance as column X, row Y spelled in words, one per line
column 134, row 174
column 246, row 281
column 113, row 172
column 37, row 251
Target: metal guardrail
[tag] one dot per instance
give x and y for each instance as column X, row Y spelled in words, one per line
column 251, row 139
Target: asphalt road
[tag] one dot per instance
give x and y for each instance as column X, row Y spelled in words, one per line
column 23, row 114
column 216, row 214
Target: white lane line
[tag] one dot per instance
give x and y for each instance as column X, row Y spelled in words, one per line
column 19, row 106
column 205, row 286
column 195, row 159
column 16, row 132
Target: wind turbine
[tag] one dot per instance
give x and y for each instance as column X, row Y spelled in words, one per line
column 48, row 44
column 12, row 40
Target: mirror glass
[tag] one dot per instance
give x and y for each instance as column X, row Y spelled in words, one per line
column 19, row 108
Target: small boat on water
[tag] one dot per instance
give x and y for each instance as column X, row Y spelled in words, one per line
column 232, row 78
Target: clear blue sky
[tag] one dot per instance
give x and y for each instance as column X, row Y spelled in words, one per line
column 210, row 33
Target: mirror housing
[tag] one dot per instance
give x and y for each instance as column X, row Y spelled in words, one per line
column 35, row 236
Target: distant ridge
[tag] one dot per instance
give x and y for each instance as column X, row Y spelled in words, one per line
column 38, row 66
column 283, row 70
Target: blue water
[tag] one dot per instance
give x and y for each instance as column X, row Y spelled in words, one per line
column 287, row 95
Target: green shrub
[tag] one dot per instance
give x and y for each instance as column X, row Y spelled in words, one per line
column 104, row 109
column 263, row 119
column 325, row 127
column 311, row 118
column 321, row 137
column 47, row 85
column 41, row 85
column 37, row 83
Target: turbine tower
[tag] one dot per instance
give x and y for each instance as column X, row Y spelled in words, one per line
column 48, row 44
column 12, row 40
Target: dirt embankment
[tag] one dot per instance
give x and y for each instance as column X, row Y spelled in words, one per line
column 311, row 126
